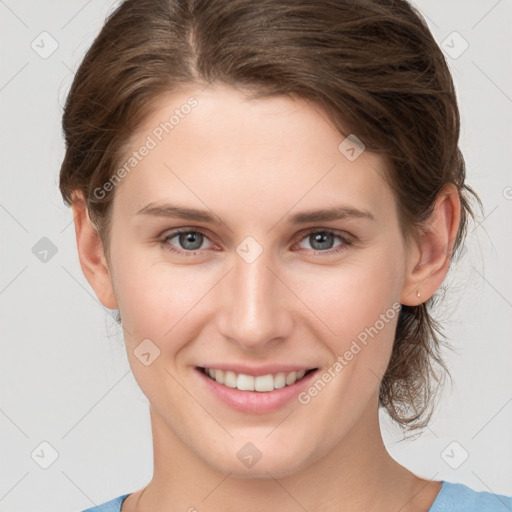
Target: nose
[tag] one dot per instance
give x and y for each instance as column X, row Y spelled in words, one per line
column 254, row 310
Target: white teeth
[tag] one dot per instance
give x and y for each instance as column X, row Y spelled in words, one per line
column 250, row 383
column 280, row 380
column 245, row 382
column 264, row 383
column 291, row 378
column 230, row 379
column 219, row 376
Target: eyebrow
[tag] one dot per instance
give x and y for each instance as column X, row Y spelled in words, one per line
column 322, row 215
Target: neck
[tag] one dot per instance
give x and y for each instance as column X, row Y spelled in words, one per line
column 358, row 474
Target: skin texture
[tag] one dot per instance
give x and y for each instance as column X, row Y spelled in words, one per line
column 253, row 164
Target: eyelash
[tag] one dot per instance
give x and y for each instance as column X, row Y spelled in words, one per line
column 347, row 242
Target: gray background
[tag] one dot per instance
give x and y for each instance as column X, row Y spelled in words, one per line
column 65, row 375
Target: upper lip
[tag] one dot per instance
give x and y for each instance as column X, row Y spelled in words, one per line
column 257, row 371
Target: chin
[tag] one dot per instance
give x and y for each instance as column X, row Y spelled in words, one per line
column 267, row 461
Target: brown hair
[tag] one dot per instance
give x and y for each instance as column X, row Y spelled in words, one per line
column 371, row 65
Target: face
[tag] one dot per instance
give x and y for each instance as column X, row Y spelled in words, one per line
column 252, row 287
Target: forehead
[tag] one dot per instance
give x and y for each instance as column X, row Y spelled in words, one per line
column 216, row 146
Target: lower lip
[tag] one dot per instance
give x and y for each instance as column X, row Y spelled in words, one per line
column 255, row 401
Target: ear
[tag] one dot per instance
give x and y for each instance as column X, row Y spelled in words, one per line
column 90, row 252
column 429, row 256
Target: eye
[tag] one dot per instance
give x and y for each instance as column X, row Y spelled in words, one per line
column 189, row 240
column 322, row 239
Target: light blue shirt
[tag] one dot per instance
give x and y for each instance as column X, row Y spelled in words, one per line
column 451, row 498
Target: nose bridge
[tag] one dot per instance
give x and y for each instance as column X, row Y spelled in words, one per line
column 254, row 314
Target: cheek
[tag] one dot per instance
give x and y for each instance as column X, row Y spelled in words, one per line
column 155, row 299
column 352, row 298
column 166, row 303
column 160, row 304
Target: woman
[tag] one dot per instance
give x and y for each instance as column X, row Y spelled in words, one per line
column 271, row 193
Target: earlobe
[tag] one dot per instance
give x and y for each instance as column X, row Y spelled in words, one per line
column 91, row 255
column 429, row 260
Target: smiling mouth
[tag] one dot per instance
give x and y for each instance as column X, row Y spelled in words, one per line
column 263, row 383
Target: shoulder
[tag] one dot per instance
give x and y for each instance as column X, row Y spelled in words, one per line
column 461, row 498
column 110, row 506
